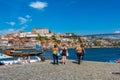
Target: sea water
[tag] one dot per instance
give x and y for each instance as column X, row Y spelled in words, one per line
column 91, row 54
column 98, row 54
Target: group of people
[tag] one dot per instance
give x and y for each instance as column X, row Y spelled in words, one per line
column 64, row 53
column 56, row 54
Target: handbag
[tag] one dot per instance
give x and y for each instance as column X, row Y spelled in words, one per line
column 60, row 51
column 58, row 54
column 67, row 54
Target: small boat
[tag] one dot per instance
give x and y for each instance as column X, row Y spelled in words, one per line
column 3, row 56
column 18, row 61
column 18, row 55
column 21, row 53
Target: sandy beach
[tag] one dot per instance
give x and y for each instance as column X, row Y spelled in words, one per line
column 87, row 70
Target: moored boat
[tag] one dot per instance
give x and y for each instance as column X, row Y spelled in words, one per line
column 19, row 57
column 21, row 53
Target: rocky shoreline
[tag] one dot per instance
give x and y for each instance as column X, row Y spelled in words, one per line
column 87, row 70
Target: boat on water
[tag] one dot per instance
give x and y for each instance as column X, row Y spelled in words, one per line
column 3, row 56
column 24, row 52
column 16, row 55
column 21, row 53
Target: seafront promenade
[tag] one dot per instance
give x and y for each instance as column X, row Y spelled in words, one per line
column 87, row 70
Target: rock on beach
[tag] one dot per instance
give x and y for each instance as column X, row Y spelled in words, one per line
column 87, row 70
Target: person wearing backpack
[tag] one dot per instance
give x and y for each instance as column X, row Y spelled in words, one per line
column 55, row 57
column 80, row 52
column 64, row 53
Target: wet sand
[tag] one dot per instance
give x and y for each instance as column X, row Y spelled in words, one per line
column 87, row 70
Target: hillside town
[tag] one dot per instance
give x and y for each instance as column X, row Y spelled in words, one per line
column 46, row 38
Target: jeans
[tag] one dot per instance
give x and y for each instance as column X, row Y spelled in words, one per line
column 55, row 59
column 79, row 57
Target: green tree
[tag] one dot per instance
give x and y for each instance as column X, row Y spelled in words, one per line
column 79, row 40
column 39, row 38
column 45, row 38
column 118, row 43
column 58, row 41
column 93, row 37
column 50, row 31
column 53, row 38
column 68, row 42
column 72, row 34
column 97, row 43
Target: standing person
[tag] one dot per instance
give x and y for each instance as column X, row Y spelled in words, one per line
column 80, row 52
column 83, row 52
column 55, row 57
column 64, row 53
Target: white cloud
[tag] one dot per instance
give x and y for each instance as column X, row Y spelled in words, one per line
column 28, row 16
column 30, row 20
column 71, row 3
column 11, row 30
column 23, row 27
column 117, row 32
column 7, row 31
column 22, row 20
column 38, row 5
column 11, row 23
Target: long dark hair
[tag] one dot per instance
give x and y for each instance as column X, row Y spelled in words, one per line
column 55, row 46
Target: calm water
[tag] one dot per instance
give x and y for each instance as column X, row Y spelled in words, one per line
column 92, row 54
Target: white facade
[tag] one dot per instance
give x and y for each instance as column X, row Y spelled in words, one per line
column 3, row 42
column 67, row 39
column 28, row 34
column 41, row 30
column 46, row 35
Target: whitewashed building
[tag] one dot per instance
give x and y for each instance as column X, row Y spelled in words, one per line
column 28, row 34
column 41, row 30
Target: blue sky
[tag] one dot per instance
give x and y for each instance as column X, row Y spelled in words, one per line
column 60, row 16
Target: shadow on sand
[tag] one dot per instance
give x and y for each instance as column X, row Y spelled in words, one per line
column 75, row 62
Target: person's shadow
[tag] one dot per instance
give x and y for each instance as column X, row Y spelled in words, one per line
column 1, row 63
column 75, row 62
column 60, row 62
